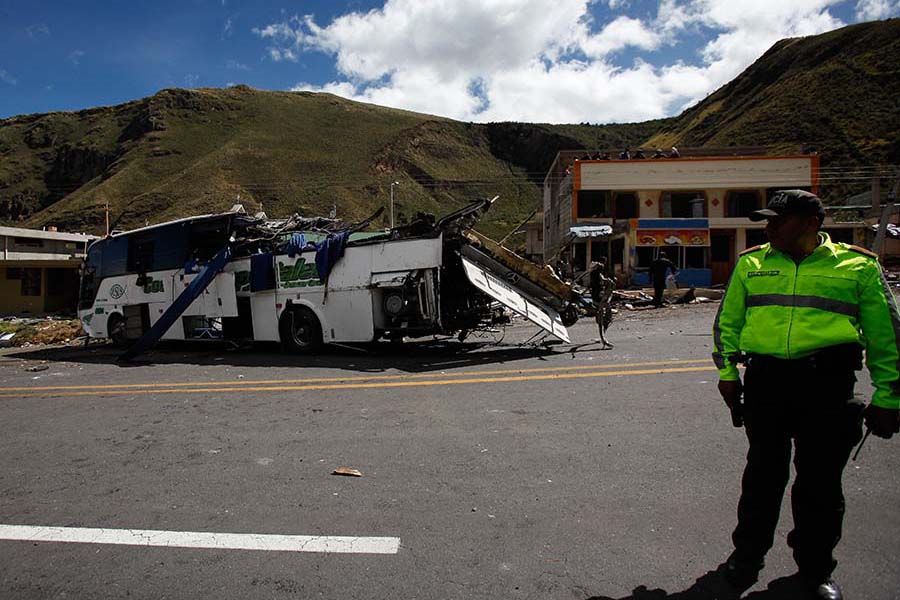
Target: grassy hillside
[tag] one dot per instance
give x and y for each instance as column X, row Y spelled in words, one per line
column 184, row 152
column 836, row 92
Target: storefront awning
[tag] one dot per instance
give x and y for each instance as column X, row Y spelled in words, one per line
column 591, row 231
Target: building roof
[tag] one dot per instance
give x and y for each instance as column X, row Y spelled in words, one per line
column 41, row 234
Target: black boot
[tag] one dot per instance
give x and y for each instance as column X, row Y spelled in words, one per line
column 742, row 572
column 824, row 589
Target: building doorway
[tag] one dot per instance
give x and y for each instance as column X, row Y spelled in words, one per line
column 721, row 254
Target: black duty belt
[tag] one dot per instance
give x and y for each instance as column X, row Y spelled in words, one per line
column 843, row 356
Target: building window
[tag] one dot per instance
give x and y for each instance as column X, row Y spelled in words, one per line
column 683, row 257
column 740, row 203
column 683, row 205
column 643, row 256
column 31, row 282
column 23, row 242
column 599, row 249
column 57, row 280
column 626, row 205
column 604, row 204
column 579, row 260
column 695, row 257
column 593, row 204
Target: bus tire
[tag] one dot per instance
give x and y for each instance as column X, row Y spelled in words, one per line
column 116, row 330
column 300, row 330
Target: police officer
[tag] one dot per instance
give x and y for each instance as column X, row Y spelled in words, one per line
column 799, row 311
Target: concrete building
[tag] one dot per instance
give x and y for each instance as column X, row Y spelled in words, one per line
column 39, row 270
column 695, row 206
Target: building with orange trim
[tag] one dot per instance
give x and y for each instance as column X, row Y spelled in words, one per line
column 696, row 207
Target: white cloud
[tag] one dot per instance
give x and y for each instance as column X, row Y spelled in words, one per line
column 6, row 77
column 235, row 65
column 874, row 10
column 228, row 28
column 75, row 57
column 39, row 29
column 540, row 60
column 619, row 34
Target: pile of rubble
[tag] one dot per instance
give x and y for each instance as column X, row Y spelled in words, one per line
column 639, row 299
column 39, row 331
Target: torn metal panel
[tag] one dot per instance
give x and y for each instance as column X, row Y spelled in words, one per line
column 542, row 316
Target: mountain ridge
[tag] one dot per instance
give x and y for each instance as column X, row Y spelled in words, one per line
column 182, row 152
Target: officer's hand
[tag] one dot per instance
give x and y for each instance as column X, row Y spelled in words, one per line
column 884, row 422
column 731, row 392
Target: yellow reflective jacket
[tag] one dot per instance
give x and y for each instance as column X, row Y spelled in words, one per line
column 836, row 295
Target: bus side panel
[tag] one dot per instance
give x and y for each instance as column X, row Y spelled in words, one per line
column 217, row 300
column 265, row 316
column 348, row 316
column 156, row 287
column 176, row 331
column 404, row 255
column 221, row 301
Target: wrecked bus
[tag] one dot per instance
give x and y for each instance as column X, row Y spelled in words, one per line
column 307, row 282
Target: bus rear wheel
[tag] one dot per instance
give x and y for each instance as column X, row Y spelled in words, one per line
column 300, row 330
column 116, row 330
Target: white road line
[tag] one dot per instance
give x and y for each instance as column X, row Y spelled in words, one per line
column 195, row 539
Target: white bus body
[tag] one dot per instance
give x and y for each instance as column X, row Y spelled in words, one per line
column 379, row 288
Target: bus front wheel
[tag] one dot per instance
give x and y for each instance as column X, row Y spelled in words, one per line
column 300, row 330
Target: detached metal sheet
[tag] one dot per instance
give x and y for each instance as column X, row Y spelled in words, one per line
column 543, row 316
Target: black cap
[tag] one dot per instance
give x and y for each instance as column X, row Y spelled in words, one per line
column 791, row 202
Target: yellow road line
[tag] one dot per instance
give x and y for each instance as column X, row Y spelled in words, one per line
column 391, row 384
column 243, row 383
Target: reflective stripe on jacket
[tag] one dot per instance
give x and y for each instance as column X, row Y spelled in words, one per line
column 836, row 295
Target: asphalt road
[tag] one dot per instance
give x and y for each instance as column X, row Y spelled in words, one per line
column 505, row 471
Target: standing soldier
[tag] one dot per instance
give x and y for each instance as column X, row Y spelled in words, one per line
column 799, row 311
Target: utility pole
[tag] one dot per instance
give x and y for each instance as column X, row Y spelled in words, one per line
column 890, row 208
column 393, row 183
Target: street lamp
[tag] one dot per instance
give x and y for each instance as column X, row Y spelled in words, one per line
column 393, row 183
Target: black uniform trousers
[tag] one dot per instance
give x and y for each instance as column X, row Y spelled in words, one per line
column 659, row 287
column 808, row 402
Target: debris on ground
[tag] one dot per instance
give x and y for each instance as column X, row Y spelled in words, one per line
column 37, row 368
column 347, row 471
column 39, row 331
column 643, row 299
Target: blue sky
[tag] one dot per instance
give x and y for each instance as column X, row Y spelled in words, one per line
column 478, row 60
